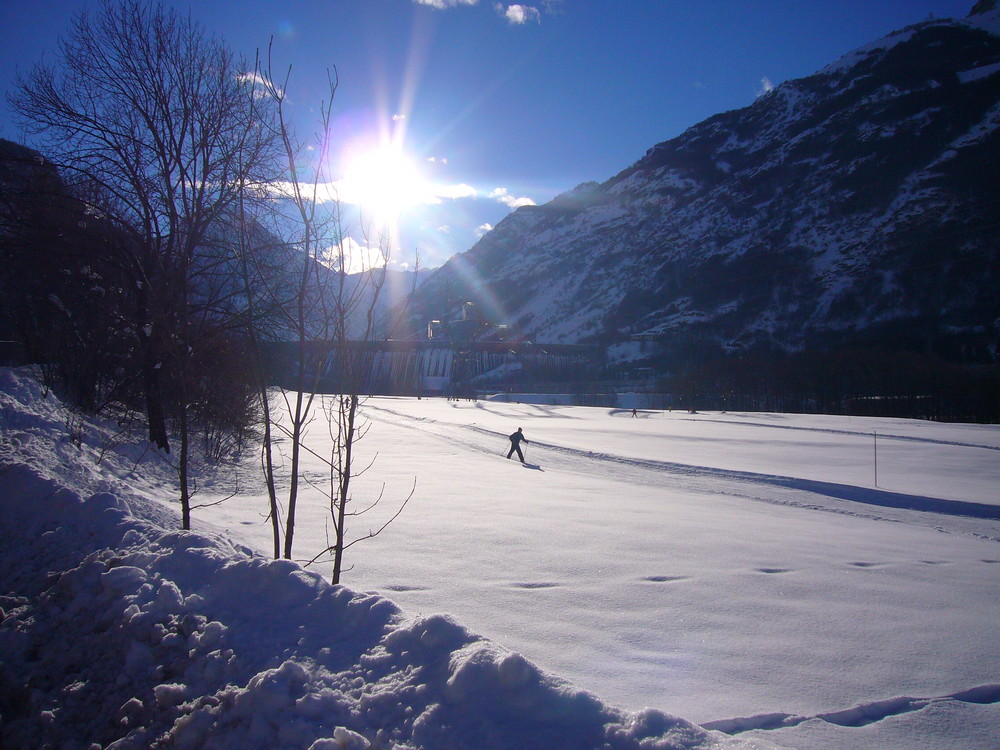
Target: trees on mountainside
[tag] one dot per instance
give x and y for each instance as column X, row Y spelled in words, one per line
column 156, row 121
column 65, row 294
column 185, row 231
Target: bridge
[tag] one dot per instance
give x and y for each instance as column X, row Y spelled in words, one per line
column 436, row 367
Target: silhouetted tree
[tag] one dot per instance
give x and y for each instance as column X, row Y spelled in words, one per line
column 321, row 320
column 161, row 119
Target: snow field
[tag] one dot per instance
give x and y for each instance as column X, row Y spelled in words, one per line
column 119, row 631
column 719, row 565
column 739, row 570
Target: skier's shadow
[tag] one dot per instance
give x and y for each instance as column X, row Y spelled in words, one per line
column 536, row 467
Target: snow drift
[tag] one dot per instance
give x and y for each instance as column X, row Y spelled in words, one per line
column 120, row 631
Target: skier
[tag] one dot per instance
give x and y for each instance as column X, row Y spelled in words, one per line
column 515, row 444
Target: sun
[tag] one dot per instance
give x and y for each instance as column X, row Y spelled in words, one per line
column 384, row 182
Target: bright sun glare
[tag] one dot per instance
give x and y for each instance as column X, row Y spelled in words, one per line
column 384, row 182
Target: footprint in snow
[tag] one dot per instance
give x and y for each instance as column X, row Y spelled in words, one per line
column 535, row 585
column 774, row 570
column 665, row 579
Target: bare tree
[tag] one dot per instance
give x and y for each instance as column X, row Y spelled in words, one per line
column 156, row 113
column 327, row 303
column 305, row 317
column 351, row 365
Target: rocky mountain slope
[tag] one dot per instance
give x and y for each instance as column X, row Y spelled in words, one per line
column 861, row 201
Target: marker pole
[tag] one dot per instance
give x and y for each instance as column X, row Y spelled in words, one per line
column 875, row 446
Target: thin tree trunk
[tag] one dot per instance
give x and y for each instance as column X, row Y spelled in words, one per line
column 155, row 416
column 293, row 486
column 268, row 458
column 344, row 484
column 183, row 471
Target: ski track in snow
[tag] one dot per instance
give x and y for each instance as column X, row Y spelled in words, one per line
column 858, row 716
column 853, row 433
column 737, row 484
column 401, row 653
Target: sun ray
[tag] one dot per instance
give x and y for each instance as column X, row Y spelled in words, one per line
column 384, row 182
column 481, row 292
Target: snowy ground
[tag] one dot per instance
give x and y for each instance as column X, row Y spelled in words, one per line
column 739, row 570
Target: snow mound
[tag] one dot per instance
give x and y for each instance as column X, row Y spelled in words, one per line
column 120, row 631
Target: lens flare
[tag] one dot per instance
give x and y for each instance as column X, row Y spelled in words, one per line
column 384, row 182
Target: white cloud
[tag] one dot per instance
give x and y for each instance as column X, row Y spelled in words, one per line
column 482, row 229
column 353, row 255
column 430, row 193
column 502, row 195
column 258, row 83
column 442, row 4
column 766, row 87
column 452, row 192
column 398, row 118
column 518, row 15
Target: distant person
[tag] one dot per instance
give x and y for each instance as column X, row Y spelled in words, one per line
column 635, row 414
column 515, row 444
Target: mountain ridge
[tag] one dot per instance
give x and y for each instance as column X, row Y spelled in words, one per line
column 859, row 198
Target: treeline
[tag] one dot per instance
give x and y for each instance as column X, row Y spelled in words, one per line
column 100, row 311
column 862, row 382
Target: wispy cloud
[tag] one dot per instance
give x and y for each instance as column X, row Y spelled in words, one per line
column 502, row 195
column 452, row 192
column 432, row 194
column 766, row 87
column 353, row 256
column 257, row 82
column 483, row 229
column 515, row 13
column 442, row 4
column 518, row 15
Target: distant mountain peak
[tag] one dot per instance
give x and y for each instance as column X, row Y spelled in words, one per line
column 855, row 203
column 982, row 7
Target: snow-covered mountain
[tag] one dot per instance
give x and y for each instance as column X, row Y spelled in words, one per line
column 861, row 200
column 32, row 191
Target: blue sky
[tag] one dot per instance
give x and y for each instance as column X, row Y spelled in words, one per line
column 492, row 105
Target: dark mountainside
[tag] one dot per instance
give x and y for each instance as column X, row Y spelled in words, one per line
column 855, row 208
column 34, row 196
